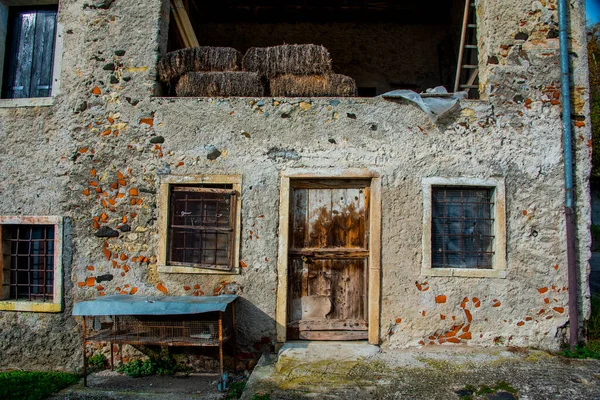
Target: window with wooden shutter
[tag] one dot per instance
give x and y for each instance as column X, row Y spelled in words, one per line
column 202, row 226
column 29, row 56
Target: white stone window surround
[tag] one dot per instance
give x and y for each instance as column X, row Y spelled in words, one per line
column 58, row 50
column 499, row 196
column 163, row 220
column 57, row 294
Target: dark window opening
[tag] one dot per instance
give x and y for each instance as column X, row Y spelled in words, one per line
column 462, row 230
column 29, row 56
column 201, row 226
column 383, row 46
column 28, row 252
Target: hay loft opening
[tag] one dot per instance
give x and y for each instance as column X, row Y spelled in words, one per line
column 380, row 45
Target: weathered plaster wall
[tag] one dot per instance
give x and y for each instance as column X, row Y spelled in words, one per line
column 90, row 158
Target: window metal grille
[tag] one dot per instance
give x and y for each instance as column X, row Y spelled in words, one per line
column 201, row 226
column 462, row 227
column 31, row 265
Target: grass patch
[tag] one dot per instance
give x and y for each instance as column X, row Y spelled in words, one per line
column 235, row 390
column 97, row 362
column 149, row 367
column 589, row 350
column 470, row 392
column 593, row 325
column 25, row 385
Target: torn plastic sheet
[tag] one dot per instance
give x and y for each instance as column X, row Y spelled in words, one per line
column 435, row 102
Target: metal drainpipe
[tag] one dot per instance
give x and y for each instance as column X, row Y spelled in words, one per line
column 568, row 166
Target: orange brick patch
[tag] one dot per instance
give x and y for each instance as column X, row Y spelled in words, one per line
column 162, row 288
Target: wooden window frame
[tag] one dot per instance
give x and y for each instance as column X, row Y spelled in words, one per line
column 27, row 305
column 58, row 50
column 499, row 265
column 374, row 283
column 166, row 183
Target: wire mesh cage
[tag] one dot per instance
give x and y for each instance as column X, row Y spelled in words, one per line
column 183, row 330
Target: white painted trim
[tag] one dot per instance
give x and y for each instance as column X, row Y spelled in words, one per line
column 57, row 293
column 27, row 102
column 499, row 266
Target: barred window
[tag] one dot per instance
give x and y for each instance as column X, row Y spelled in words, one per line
column 29, row 251
column 462, row 229
column 202, row 225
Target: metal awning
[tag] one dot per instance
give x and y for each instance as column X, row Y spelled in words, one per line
column 152, row 305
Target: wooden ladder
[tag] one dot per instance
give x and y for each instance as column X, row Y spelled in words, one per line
column 467, row 55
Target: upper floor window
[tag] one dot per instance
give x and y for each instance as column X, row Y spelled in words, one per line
column 29, row 52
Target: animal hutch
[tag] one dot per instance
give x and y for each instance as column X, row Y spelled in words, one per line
column 203, row 321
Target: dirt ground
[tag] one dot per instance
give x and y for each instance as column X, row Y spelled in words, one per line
column 110, row 385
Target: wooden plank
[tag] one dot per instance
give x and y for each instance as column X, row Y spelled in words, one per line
column 374, row 277
column 319, row 217
column 43, row 54
column 333, row 335
column 336, row 252
column 203, row 190
column 330, row 183
column 330, row 325
column 299, row 218
column 461, row 50
column 231, row 244
column 24, row 36
column 4, row 262
column 356, row 289
column 200, row 265
column 282, row 259
column 202, row 228
column 296, row 288
column 184, row 25
column 338, row 229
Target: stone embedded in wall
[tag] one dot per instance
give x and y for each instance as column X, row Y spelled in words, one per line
column 104, row 278
column 106, row 231
column 288, row 154
column 157, row 140
column 99, row 4
column 213, row 153
column 125, row 228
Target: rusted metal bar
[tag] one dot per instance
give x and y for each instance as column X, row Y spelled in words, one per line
column 83, row 334
column 233, row 333
column 112, row 356
column 221, row 342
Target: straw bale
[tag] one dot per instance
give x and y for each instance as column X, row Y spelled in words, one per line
column 220, row 84
column 297, row 59
column 178, row 63
column 334, row 85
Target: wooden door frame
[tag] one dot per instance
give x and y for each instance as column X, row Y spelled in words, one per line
column 374, row 283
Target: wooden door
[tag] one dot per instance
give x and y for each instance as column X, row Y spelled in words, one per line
column 328, row 260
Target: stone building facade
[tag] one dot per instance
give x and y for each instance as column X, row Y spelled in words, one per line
column 105, row 148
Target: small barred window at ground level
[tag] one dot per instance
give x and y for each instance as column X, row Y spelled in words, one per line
column 29, row 262
column 462, row 227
